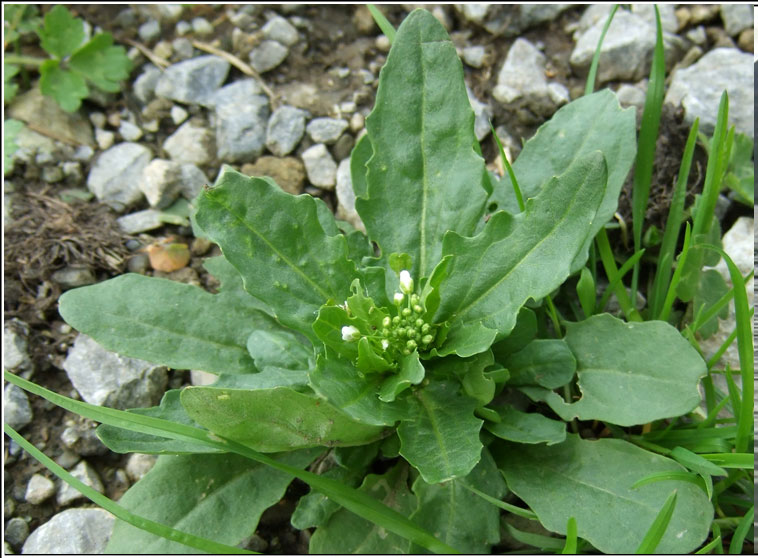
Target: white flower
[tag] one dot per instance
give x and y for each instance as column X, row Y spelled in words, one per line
column 406, row 282
column 399, row 297
column 350, row 333
column 385, row 344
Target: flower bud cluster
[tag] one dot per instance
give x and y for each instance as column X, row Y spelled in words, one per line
column 407, row 331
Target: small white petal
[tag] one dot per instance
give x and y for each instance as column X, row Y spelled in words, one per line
column 350, row 333
column 385, row 344
column 406, row 282
column 399, row 297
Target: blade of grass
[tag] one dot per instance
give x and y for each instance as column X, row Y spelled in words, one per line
column 193, row 541
column 673, row 224
column 734, row 393
column 358, row 502
column 570, row 546
column 717, row 306
column 643, row 168
column 696, row 462
column 731, row 460
column 745, row 350
column 668, row 303
column 684, row 476
column 509, row 168
column 521, row 512
column 538, row 541
column 710, row 546
column 738, row 538
column 658, row 528
column 710, row 420
column 590, row 86
column 609, row 263
column 628, row 264
column 382, row 22
column 585, row 290
column 725, row 345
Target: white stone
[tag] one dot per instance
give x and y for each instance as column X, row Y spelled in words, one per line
column 320, row 167
column 178, row 114
column 267, row 56
column 326, row 130
column 138, row 465
column 17, row 412
column 73, row 531
column 85, row 473
column 201, row 378
column 280, row 30
column 346, row 196
column 39, row 489
column 473, row 56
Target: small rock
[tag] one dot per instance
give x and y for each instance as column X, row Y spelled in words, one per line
column 473, row 13
column 669, row 21
column 178, row 114
column 474, row 56
column 267, row 56
column 73, row 531
column 52, row 174
column 73, row 276
column 285, row 129
column 200, row 246
column 80, row 438
column 698, row 89
column 163, row 49
column 105, row 378
column 140, row 221
column 202, row 26
column 746, row 40
column 129, row 131
column 280, row 30
column 287, row 172
column 320, row 167
column 31, row 145
column 357, row 122
column 15, row 346
column 382, row 43
column 343, row 147
column 104, row 139
column 241, row 127
column 697, row 35
column 193, row 81
column 68, row 458
column 346, row 197
column 86, row 474
column 139, row 263
column 191, row 144
column 83, row 153
column 162, row 12
column 39, row 489
column 115, row 174
column 192, row 180
column 150, row 30
column 182, row 28
column 201, row 378
column 631, row 96
column 326, row 130
column 72, row 170
column 17, row 412
column 161, row 182
column 98, row 119
column 531, row 15
column 183, row 48
column 521, row 81
column 482, row 115
column 138, row 465
column 16, row 532
column 736, row 18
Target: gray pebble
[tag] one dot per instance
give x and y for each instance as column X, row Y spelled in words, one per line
column 343, row 147
column 183, row 48
column 129, row 131
column 144, row 85
column 149, row 30
column 80, row 438
column 15, row 346
column 193, row 81
column 280, row 30
column 161, row 182
column 140, row 221
column 182, row 28
column 346, row 196
column 191, row 144
column 73, row 276
column 104, row 138
column 326, row 130
column 17, row 412
column 16, row 532
column 73, row 531
column 39, row 489
column 267, row 56
column 72, row 170
column 178, row 114
column 285, row 130
column 202, row 27
column 474, row 56
column 115, row 174
column 320, row 167
column 52, row 174
column 105, row 378
column 83, row 153
column 138, row 263
column 737, row 18
column 138, row 465
column 241, row 128
column 85, row 473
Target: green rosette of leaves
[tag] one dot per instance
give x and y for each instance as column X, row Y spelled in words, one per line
column 402, row 340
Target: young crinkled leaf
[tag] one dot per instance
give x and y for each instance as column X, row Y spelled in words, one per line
column 279, row 245
column 101, row 63
column 491, row 275
column 424, row 177
column 61, row 33
column 628, row 373
column 219, row 497
column 441, row 439
column 67, row 88
column 276, row 419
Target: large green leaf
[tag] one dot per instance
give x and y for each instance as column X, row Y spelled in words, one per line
column 275, row 419
column 101, row 63
column 628, row 373
column 122, row 440
column 231, row 283
column 526, row 428
column 279, row 244
column 339, row 381
column 591, row 481
column 441, row 439
column 166, row 322
column 219, row 497
column 492, row 275
column 458, row 516
column 279, row 349
column 424, row 177
column 590, row 123
column 346, row 533
column 543, row 362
